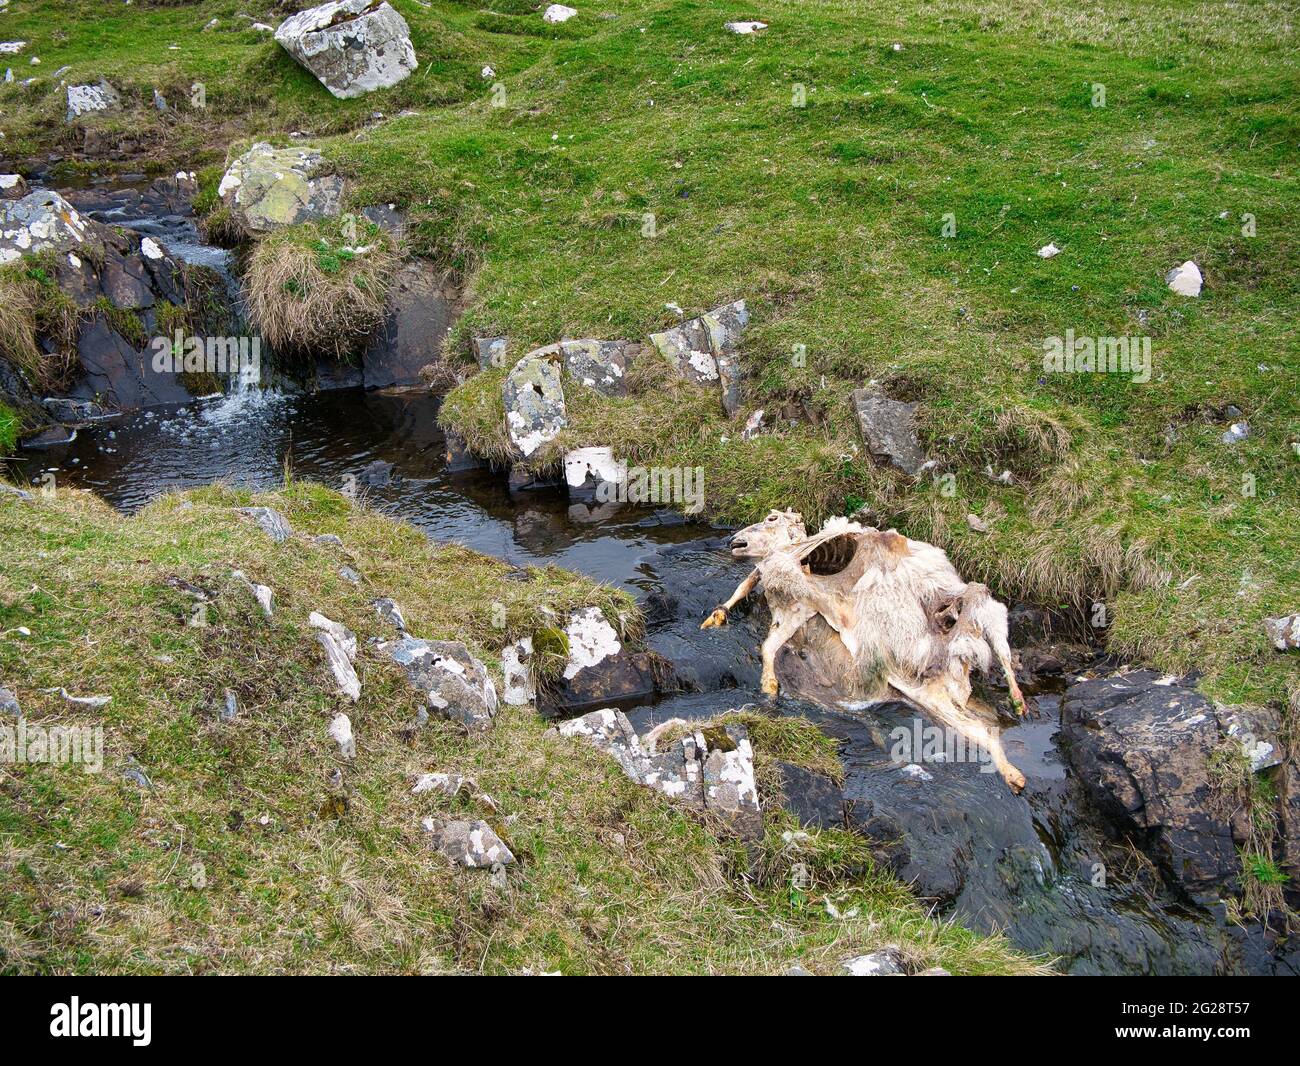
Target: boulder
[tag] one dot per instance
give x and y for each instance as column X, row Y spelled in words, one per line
column 558, row 13
column 91, row 99
column 490, row 352
column 599, row 365
column 268, row 187
column 1142, row 745
column 420, row 310
column 600, row 671
column 454, row 684
column 704, row 350
column 889, row 431
column 815, row 799
column 352, row 46
column 41, row 221
column 534, row 402
column 468, row 843
column 516, row 668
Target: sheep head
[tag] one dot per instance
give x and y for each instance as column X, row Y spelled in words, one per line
column 778, row 530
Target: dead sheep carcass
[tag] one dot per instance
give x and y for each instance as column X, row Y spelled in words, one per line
column 905, row 621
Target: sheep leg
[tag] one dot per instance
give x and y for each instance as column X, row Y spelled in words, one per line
column 786, row 621
column 990, row 617
column 933, row 698
column 719, row 615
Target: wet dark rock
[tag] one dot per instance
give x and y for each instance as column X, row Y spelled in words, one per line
column 1141, row 745
column 115, row 370
column 378, row 474
column 388, row 218
column 523, row 480
column 76, row 412
column 815, row 799
column 889, row 431
column 421, row 309
column 624, row 678
column 13, row 187
column 459, row 459
column 49, row 437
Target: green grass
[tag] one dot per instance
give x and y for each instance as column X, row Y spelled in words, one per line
column 10, row 424
column 245, row 857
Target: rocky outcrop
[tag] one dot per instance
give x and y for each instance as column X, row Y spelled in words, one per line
column 352, row 46
column 1144, row 747
column 421, row 309
column 94, row 264
column 705, row 350
column 889, row 431
column 534, row 402
column 268, row 187
column 710, row 770
column 453, row 683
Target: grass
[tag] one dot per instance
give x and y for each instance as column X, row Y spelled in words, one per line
column 10, row 425
column 313, row 291
column 245, row 855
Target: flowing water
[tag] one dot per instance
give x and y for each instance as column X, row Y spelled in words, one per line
column 1026, row 863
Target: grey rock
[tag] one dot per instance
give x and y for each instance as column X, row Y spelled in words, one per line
column 13, row 187
column 934, row 971
column 269, row 521
column 469, row 843
column 229, row 706
column 377, row 474
column 1284, row 632
column 41, row 221
column 889, row 430
column 534, row 402
column 21, row 494
column 90, row 99
column 885, row 963
column 599, row 365
column 352, row 46
column 391, row 613
column 1142, row 746
column 711, row 770
column 490, row 352
column 9, row 703
column 797, row 971
column 704, row 350
column 388, row 218
column 340, row 664
column 329, row 540
column 350, row 575
column 455, row 684
column 268, row 187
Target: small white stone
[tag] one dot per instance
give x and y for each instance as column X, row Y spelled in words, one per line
column 150, row 248
column 341, row 730
column 1047, row 251
column 1185, row 280
column 557, row 13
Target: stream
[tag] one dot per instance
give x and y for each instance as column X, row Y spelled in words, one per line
column 1025, row 865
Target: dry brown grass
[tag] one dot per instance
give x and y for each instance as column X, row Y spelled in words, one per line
column 310, row 294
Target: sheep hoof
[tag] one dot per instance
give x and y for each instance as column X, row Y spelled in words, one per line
column 1014, row 779
column 717, row 618
column 770, row 687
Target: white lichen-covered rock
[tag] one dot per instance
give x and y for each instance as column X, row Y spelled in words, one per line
column 340, row 662
column 744, row 29
column 534, row 403
column 558, row 13
column 268, row 187
column 468, row 843
column 704, row 350
column 587, row 469
column 388, row 610
column 41, row 221
column 352, row 46
column 263, row 594
column 598, row 365
column 591, row 640
column 342, row 635
column 13, row 187
column 885, row 963
column 516, row 666
column 710, row 770
column 340, row 730
column 455, row 684
column 1185, row 280
column 88, row 99
column 1284, row 632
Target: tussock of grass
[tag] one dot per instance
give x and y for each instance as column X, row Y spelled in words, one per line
column 245, row 857
column 32, row 307
column 309, row 291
